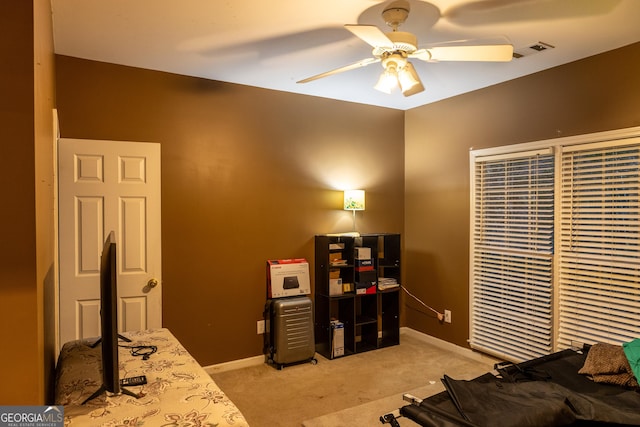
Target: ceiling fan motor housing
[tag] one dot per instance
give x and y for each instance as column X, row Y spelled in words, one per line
column 395, row 61
column 402, row 41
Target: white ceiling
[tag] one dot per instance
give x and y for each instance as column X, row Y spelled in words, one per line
column 274, row 43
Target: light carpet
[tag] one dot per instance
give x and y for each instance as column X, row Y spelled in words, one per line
column 349, row 391
column 369, row 414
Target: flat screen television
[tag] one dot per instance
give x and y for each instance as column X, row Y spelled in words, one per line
column 109, row 321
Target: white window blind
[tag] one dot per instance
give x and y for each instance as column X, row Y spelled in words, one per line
column 511, row 254
column 599, row 268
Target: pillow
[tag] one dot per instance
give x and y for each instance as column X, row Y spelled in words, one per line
column 607, row 363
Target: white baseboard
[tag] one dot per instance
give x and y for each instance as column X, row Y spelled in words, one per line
column 461, row 351
column 235, row 364
column 445, row 345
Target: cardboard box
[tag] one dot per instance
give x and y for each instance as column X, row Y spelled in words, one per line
column 364, row 290
column 334, row 273
column 335, row 286
column 335, row 258
column 288, row 277
column 337, row 347
column 363, row 253
column 369, row 276
column 366, row 282
column 364, row 265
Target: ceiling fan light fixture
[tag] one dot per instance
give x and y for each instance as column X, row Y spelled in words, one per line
column 388, row 80
column 409, row 80
column 413, row 90
column 406, row 78
column 398, row 72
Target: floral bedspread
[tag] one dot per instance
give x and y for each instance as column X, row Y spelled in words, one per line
column 178, row 391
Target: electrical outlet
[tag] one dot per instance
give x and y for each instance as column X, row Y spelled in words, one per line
column 447, row 316
column 260, row 327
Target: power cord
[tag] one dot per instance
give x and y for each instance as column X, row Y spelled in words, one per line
column 141, row 350
column 440, row 315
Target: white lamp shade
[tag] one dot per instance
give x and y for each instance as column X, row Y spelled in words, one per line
column 409, row 80
column 354, row 200
column 387, row 82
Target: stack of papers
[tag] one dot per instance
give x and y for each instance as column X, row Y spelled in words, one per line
column 387, row 283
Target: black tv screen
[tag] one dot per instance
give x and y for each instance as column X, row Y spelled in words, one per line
column 109, row 320
column 109, row 315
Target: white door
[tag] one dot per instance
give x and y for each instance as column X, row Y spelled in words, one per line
column 105, row 186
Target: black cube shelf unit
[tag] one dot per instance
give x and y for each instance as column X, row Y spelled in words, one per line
column 371, row 318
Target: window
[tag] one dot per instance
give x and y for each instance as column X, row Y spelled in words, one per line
column 555, row 244
column 512, row 257
column 599, row 277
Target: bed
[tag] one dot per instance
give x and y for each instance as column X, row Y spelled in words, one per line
column 178, row 390
column 586, row 387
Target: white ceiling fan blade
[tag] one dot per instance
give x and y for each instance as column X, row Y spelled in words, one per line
column 489, row 53
column 371, row 34
column 422, row 54
column 362, row 63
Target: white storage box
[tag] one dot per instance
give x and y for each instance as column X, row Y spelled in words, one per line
column 337, row 348
column 363, row 253
column 335, row 287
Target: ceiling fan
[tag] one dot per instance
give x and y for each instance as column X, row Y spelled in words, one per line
column 395, row 48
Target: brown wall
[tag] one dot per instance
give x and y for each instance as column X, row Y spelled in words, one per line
column 27, row 250
column 247, row 175
column 595, row 94
column 44, row 103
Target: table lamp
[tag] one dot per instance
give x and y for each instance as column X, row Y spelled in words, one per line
column 354, row 201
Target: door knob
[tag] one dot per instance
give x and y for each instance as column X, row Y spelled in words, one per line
column 152, row 283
